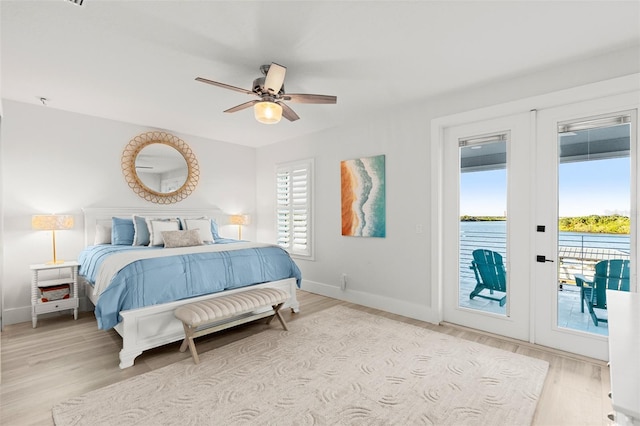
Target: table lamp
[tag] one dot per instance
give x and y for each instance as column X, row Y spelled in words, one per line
column 239, row 219
column 53, row 223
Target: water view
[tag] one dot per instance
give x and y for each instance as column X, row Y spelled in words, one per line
column 487, row 234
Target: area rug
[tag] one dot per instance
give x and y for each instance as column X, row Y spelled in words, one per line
column 339, row 366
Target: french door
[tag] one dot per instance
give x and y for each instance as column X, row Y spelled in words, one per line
column 586, row 197
column 516, row 190
column 485, row 197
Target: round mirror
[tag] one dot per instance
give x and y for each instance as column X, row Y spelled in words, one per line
column 160, row 167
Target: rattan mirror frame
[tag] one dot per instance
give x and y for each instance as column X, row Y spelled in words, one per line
column 128, row 164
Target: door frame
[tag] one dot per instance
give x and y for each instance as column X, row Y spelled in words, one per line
column 629, row 84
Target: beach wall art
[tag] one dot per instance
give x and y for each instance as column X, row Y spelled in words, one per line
column 363, row 197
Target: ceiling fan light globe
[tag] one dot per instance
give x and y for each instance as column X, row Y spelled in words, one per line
column 267, row 112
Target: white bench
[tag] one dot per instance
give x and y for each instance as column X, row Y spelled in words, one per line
column 209, row 316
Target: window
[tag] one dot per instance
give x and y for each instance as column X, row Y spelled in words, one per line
column 483, row 238
column 293, row 203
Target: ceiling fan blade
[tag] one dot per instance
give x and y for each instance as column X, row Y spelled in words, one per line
column 287, row 112
column 307, row 98
column 242, row 106
column 275, row 78
column 225, row 86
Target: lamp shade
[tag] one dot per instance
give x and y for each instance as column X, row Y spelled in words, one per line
column 267, row 112
column 51, row 222
column 239, row 219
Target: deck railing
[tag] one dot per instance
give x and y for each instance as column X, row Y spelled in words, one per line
column 472, row 240
column 577, row 253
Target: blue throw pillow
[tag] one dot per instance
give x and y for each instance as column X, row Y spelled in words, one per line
column 122, row 231
column 214, row 230
column 141, row 231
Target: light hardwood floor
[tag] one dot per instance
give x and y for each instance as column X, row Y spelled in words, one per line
column 63, row 358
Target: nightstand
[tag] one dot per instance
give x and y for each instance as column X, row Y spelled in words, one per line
column 67, row 274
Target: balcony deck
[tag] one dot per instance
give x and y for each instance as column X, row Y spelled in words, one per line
column 577, row 254
column 569, row 315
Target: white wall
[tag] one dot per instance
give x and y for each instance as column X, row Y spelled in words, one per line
column 378, row 268
column 60, row 162
column 394, row 273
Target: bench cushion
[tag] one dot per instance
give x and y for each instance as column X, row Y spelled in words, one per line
column 206, row 311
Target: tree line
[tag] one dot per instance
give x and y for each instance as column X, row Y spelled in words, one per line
column 611, row 224
column 482, row 218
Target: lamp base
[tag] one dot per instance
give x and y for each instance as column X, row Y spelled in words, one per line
column 54, row 262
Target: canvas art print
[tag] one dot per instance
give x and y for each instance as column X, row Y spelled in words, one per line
column 363, row 197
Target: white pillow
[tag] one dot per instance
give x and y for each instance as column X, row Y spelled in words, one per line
column 156, row 227
column 103, row 235
column 183, row 220
column 203, row 226
column 141, row 234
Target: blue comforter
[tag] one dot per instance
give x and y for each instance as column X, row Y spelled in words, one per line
column 159, row 280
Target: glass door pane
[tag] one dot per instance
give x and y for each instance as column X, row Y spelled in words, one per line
column 483, row 224
column 594, row 193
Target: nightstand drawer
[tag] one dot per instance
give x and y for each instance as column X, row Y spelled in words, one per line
column 56, row 305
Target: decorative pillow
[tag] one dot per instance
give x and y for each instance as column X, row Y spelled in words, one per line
column 183, row 224
column 203, row 226
column 122, row 231
column 141, row 234
column 103, row 235
column 157, row 226
column 186, row 238
column 213, row 227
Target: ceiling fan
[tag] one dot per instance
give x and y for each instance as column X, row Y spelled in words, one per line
column 270, row 89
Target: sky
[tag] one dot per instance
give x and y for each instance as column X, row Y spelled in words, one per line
column 588, row 187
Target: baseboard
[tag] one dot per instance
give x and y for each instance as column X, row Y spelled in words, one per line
column 16, row 315
column 23, row 313
column 395, row 306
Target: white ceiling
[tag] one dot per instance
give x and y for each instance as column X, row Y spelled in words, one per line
column 136, row 61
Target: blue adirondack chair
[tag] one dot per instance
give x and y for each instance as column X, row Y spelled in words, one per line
column 490, row 275
column 609, row 275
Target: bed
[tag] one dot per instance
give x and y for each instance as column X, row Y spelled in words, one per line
column 135, row 288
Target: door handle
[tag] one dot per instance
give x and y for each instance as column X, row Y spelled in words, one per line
column 542, row 259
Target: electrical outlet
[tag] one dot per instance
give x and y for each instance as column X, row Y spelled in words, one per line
column 343, row 282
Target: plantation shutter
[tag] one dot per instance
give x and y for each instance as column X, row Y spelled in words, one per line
column 293, row 183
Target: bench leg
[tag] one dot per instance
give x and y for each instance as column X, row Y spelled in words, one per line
column 185, row 342
column 277, row 314
column 188, row 341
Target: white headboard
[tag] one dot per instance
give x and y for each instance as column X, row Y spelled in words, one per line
column 102, row 216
